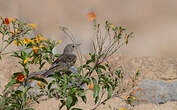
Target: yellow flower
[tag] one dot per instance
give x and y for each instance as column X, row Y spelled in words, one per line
column 128, row 96
column 40, row 38
column 35, row 49
column 60, row 41
column 32, row 41
column 41, row 46
column 112, row 26
column 34, row 26
column 18, row 43
column 28, row 101
column 26, row 40
column 16, row 30
column 12, row 20
column 26, row 60
column 122, row 108
column 139, row 69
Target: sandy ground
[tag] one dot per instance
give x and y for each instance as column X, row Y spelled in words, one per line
column 160, row 68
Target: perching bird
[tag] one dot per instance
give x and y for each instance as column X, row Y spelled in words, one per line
column 64, row 61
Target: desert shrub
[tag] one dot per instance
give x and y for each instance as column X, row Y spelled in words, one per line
column 34, row 49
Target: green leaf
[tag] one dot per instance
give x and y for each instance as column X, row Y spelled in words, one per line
column 96, row 99
column 109, row 90
column 98, row 71
column 82, row 95
column 130, row 35
column 15, row 54
column 96, row 89
column 50, row 84
column 0, row 57
column 92, row 55
column 118, row 73
column 10, row 84
column 73, row 91
column 41, row 65
column 39, row 79
column 23, row 54
column 102, row 67
column 69, row 102
column 79, row 69
column 84, row 99
column 75, row 100
column 57, row 55
column 87, row 67
column 89, row 61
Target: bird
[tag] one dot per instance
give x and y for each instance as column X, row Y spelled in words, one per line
column 66, row 60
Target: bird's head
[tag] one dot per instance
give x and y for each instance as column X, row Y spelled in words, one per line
column 70, row 48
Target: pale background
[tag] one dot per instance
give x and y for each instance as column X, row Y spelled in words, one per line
column 153, row 21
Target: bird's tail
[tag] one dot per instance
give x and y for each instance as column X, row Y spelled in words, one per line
column 48, row 72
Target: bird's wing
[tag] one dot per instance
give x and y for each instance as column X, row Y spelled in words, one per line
column 58, row 59
column 64, row 59
column 62, row 63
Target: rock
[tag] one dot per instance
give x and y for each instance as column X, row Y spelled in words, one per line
column 154, row 91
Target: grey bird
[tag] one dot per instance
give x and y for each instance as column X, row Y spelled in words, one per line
column 64, row 61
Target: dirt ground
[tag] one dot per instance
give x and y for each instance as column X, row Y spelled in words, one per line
column 156, row 68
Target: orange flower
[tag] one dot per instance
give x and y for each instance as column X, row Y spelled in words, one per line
column 39, row 83
column 92, row 16
column 91, row 86
column 11, row 32
column 40, row 38
column 42, row 86
column 6, row 21
column 12, row 20
column 35, row 49
column 133, row 98
column 20, row 77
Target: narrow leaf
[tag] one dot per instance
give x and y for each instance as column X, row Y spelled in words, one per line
column 69, row 102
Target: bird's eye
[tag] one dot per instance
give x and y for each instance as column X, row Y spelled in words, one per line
column 73, row 46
